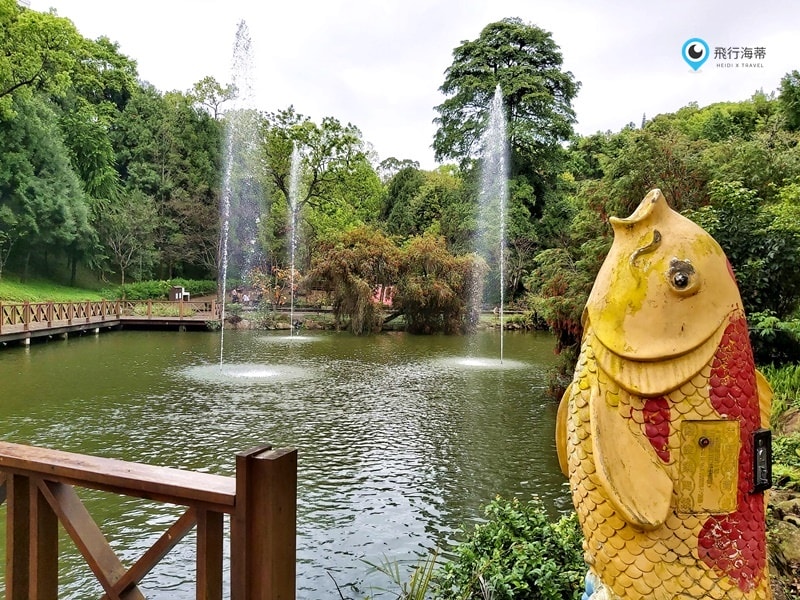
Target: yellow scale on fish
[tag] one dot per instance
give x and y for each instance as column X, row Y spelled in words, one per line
column 662, row 430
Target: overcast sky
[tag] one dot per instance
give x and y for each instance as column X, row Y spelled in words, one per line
column 378, row 64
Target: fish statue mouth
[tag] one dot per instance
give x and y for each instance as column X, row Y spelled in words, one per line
column 665, row 287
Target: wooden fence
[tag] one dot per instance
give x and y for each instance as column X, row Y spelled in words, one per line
column 19, row 317
column 38, row 486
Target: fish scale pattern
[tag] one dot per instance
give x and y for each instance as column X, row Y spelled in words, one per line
column 690, row 556
column 735, row 544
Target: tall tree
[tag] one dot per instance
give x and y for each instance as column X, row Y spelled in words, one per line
column 170, row 151
column 338, row 190
column 211, row 95
column 537, row 97
column 38, row 52
column 42, row 205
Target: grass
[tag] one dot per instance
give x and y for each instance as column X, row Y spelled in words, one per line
column 12, row 290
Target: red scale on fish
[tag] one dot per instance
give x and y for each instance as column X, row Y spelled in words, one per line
column 733, row 544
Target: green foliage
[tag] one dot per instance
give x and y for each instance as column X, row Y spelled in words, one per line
column 774, row 341
column 764, row 251
column 416, row 587
column 43, row 206
column 158, row 309
column 786, row 461
column 338, row 188
column 519, row 554
column 526, row 63
column 786, row 450
column 785, row 383
column 350, row 267
column 159, row 289
column 435, row 287
column 789, row 100
column 38, row 51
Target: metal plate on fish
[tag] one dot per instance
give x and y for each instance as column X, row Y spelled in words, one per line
column 708, row 469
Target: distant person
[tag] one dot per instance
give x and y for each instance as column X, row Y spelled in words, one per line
column 246, row 299
column 235, row 296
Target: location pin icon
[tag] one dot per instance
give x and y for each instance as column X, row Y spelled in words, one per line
column 695, row 52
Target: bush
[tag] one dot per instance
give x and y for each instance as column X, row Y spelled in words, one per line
column 517, row 554
column 785, row 383
column 159, row 289
column 786, row 450
column 774, row 341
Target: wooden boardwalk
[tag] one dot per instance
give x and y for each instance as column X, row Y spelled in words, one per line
column 22, row 321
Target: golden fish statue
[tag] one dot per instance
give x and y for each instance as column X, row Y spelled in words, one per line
column 662, row 430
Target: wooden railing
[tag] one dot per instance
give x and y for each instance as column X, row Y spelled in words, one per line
column 27, row 316
column 37, row 485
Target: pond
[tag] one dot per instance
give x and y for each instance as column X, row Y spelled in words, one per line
column 401, row 439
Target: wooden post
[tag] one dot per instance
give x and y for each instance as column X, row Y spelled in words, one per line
column 26, row 315
column 209, row 555
column 43, row 554
column 17, row 537
column 263, row 532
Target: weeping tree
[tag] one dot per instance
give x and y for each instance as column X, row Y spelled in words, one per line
column 350, row 267
column 435, row 286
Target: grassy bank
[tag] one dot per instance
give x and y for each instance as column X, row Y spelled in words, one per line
column 12, row 290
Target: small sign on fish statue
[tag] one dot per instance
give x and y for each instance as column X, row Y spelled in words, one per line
column 663, row 430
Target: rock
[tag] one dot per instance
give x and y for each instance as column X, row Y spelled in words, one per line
column 789, row 422
column 785, row 547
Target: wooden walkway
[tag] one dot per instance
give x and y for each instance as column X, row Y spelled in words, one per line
column 22, row 321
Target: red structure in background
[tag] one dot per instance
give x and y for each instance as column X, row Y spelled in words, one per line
column 383, row 294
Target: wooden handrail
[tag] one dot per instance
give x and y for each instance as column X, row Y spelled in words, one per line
column 18, row 317
column 37, row 485
column 164, row 484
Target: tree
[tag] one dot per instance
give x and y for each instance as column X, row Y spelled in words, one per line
column 211, row 95
column 435, row 287
column 338, row 190
column 351, row 268
column 762, row 243
column 43, row 206
column 789, row 99
column 169, row 150
column 128, row 232
column 38, row 52
column 391, row 166
column 537, row 98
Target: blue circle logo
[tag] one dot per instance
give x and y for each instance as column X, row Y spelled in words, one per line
column 695, row 52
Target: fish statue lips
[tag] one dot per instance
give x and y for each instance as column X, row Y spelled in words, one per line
column 657, row 430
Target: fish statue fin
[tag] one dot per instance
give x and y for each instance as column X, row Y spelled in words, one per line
column 636, row 483
column 764, row 398
column 561, row 431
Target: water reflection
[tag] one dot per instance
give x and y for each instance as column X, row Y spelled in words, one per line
column 399, row 444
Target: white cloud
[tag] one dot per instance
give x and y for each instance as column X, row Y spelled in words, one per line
column 379, row 64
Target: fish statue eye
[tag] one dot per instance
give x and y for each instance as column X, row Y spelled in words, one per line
column 682, row 277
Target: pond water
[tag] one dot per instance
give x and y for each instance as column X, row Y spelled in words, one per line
column 401, row 439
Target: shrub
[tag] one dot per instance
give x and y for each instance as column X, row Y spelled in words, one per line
column 159, row 289
column 786, row 450
column 519, row 554
column 785, row 383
